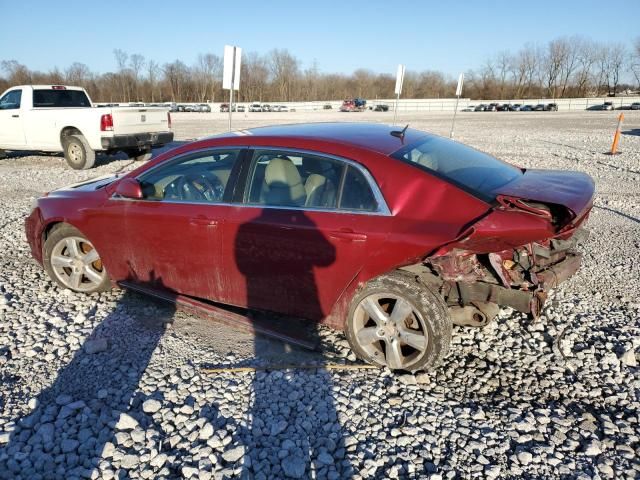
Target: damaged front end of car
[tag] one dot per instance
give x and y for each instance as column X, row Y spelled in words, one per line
column 511, row 257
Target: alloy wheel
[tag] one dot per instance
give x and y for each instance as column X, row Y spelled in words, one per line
column 77, row 264
column 390, row 330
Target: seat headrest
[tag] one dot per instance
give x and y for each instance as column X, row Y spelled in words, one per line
column 428, row 161
column 282, row 170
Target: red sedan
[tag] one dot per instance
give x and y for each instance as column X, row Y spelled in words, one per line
column 392, row 235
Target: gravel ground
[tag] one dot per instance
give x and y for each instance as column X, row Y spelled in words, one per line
column 110, row 386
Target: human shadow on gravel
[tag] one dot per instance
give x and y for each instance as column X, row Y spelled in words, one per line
column 294, row 428
column 73, row 425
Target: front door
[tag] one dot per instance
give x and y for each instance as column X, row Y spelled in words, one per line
column 297, row 242
column 172, row 238
column 12, row 132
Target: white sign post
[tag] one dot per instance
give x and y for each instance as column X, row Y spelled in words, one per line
column 231, row 73
column 458, row 93
column 398, row 90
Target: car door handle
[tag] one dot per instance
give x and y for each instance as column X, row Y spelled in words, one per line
column 203, row 221
column 348, row 234
column 15, row 116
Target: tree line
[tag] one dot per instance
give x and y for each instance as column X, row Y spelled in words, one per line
column 564, row 67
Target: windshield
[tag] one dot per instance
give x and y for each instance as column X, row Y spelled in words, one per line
column 473, row 171
column 60, row 98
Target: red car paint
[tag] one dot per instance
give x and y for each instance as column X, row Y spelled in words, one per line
column 307, row 263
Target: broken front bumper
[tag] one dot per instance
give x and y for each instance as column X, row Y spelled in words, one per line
column 526, row 301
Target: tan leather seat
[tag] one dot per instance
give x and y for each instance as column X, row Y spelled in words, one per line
column 428, row 161
column 320, row 189
column 284, row 183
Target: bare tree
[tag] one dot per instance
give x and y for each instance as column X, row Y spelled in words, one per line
column 552, row 62
column 136, row 63
column 152, row 73
column 586, row 60
column 121, row 60
column 285, row 70
column 635, row 61
column 617, row 58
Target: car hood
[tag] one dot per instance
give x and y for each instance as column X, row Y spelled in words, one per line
column 573, row 190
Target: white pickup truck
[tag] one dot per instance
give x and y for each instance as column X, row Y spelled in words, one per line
column 56, row 118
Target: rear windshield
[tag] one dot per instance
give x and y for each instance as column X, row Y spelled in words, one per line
column 473, row 171
column 60, row 98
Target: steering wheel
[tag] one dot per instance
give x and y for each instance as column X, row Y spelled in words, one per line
column 199, row 187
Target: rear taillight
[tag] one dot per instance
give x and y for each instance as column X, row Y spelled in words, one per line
column 169, row 119
column 106, row 123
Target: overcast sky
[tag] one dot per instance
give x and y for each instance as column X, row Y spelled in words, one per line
column 450, row 36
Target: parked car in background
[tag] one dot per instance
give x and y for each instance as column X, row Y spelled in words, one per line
column 279, row 108
column 203, row 107
column 224, row 107
column 481, row 108
column 503, row 107
column 492, row 107
column 607, row 106
column 266, row 107
column 381, row 107
column 551, row 107
column 59, row 118
column 526, row 108
column 515, row 107
column 240, row 108
column 393, row 266
column 171, row 106
column 635, row 106
column 327, row 106
column 469, row 108
column 255, row 107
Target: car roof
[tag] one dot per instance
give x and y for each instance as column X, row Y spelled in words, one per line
column 369, row 136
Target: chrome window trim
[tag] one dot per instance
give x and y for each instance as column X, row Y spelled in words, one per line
column 383, row 208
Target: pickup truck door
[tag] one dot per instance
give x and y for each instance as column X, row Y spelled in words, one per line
column 11, row 121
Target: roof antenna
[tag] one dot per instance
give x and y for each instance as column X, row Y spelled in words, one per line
column 400, row 133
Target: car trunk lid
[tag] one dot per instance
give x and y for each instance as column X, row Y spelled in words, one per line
column 573, row 190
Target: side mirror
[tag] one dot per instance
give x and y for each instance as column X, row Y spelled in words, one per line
column 129, row 188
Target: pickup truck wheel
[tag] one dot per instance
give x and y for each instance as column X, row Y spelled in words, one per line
column 3, row 154
column 139, row 155
column 78, row 153
column 396, row 322
column 72, row 261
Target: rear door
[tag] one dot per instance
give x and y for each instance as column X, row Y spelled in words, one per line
column 302, row 232
column 11, row 120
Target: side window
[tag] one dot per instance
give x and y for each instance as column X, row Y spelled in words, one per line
column 356, row 192
column 197, row 178
column 11, row 100
column 294, row 180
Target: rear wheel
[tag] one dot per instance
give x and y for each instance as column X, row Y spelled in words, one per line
column 399, row 323
column 78, row 153
column 72, row 261
column 138, row 155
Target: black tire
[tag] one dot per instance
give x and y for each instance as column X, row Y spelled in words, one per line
column 138, row 155
column 78, row 153
column 3, row 154
column 428, row 311
column 60, row 233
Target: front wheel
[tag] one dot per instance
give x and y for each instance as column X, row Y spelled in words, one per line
column 396, row 322
column 72, row 261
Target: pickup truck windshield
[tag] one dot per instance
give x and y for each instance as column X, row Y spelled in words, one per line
column 60, row 98
column 476, row 172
